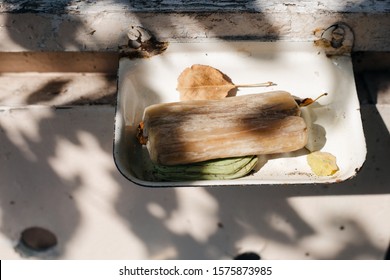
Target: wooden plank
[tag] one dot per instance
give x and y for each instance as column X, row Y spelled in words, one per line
column 64, row 62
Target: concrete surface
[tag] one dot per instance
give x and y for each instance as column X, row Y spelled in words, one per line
column 57, row 173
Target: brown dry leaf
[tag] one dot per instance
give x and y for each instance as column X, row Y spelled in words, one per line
column 308, row 101
column 203, row 82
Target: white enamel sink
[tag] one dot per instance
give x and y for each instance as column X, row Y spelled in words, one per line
column 299, row 68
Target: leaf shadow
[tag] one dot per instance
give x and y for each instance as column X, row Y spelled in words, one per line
column 48, row 92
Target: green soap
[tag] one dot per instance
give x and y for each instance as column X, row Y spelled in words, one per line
column 216, row 166
column 218, row 169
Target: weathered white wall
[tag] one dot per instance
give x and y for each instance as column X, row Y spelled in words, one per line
column 75, row 6
column 75, row 25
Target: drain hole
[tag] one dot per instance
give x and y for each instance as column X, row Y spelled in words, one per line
column 38, row 239
column 248, row 256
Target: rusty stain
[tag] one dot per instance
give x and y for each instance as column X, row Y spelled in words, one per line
column 330, row 51
column 300, row 173
column 318, row 31
column 344, row 50
column 323, row 43
column 335, row 40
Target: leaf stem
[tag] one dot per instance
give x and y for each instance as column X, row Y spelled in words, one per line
column 266, row 84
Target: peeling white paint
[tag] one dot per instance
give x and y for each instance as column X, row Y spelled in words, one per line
column 102, row 25
column 77, row 6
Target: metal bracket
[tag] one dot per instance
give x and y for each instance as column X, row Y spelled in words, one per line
column 337, row 39
column 141, row 44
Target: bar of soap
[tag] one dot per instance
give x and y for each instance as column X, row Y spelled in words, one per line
column 200, row 130
column 322, row 163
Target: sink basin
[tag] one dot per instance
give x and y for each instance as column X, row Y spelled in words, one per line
column 300, row 68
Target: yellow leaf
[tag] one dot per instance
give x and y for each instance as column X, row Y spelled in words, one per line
column 322, row 163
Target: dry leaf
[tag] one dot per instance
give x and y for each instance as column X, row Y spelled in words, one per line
column 203, row 82
column 140, row 137
column 322, row 163
column 308, row 101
